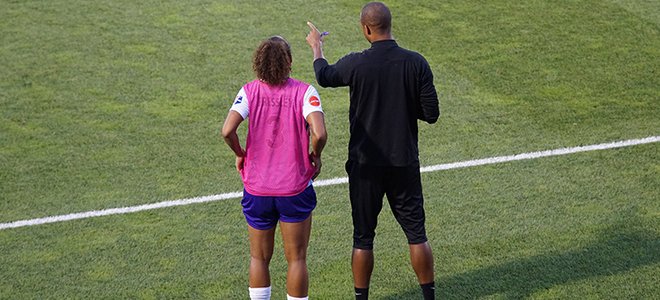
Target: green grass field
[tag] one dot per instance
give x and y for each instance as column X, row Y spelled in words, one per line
column 112, row 104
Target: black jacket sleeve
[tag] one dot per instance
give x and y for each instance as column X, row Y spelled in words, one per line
column 326, row 74
column 429, row 104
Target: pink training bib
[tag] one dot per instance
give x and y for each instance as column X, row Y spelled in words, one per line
column 277, row 148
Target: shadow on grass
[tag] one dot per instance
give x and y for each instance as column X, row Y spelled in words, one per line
column 618, row 252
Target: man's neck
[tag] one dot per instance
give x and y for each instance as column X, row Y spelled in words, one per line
column 384, row 37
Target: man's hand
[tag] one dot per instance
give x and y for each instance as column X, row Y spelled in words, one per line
column 315, row 40
column 314, row 36
column 316, row 162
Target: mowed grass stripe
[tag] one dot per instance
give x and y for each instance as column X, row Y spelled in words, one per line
column 327, row 182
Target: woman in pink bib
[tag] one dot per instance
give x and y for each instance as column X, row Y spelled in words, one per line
column 278, row 164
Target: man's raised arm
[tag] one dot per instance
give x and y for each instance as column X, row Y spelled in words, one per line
column 326, row 74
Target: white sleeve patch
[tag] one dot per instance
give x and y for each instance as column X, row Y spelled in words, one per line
column 241, row 104
column 312, row 102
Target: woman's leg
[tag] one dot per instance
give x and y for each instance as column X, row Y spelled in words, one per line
column 296, row 238
column 261, row 251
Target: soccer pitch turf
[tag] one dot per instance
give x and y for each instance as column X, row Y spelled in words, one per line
column 119, row 104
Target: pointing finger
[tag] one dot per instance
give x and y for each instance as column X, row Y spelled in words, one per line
column 312, row 27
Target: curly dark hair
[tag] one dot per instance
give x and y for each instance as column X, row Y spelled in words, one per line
column 272, row 60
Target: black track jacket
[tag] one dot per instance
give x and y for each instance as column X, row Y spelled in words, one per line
column 390, row 88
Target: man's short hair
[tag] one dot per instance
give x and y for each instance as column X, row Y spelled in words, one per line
column 377, row 16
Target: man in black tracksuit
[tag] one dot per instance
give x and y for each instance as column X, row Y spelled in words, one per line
column 390, row 89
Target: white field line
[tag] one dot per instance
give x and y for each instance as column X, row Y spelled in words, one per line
column 327, row 182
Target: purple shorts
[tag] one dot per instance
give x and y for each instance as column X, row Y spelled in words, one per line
column 263, row 212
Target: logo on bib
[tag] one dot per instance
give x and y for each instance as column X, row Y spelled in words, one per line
column 314, row 101
column 239, row 100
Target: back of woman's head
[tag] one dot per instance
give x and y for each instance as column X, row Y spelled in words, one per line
column 272, row 60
